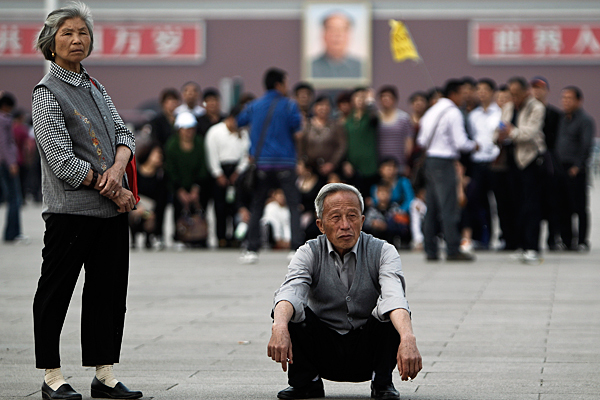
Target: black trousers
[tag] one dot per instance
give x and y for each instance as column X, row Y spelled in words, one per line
column 353, row 357
column 573, row 200
column 223, row 209
column 503, row 186
column 101, row 245
column 529, row 195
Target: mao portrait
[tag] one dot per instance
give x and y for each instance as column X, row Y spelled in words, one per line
column 337, row 44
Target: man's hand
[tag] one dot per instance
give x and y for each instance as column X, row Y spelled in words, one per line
column 409, row 358
column 234, row 177
column 13, row 169
column 573, row 171
column 280, row 346
column 124, row 200
column 221, row 180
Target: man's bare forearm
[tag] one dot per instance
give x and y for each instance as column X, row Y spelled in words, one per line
column 283, row 313
column 401, row 320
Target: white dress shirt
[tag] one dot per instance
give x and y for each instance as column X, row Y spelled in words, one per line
column 450, row 136
column 226, row 147
column 483, row 124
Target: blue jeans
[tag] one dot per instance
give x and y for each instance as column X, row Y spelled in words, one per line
column 11, row 189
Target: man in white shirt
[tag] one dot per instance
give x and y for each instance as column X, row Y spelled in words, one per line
column 227, row 157
column 190, row 94
column 483, row 121
column 443, row 137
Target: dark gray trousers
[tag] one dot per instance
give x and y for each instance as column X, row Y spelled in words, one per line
column 442, row 206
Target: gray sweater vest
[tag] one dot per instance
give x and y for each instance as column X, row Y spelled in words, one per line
column 92, row 131
column 329, row 299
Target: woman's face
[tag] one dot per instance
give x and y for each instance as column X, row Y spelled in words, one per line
column 322, row 109
column 71, row 44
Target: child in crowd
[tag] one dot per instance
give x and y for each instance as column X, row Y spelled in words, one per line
column 386, row 219
column 402, row 191
column 277, row 230
column 418, row 208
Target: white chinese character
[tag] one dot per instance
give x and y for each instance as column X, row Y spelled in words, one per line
column 128, row 41
column 547, row 39
column 9, row 39
column 167, row 39
column 586, row 40
column 507, row 40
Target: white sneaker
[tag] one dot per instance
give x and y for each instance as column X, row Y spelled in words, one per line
column 22, row 239
column 291, row 255
column 518, row 255
column 248, row 257
column 530, row 257
column 466, row 246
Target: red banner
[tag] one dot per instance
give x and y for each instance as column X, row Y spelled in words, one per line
column 116, row 43
column 535, row 42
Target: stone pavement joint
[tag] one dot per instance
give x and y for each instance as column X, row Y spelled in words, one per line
column 198, row 324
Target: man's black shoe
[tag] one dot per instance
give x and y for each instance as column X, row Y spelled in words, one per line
column 460, row 257
column 65, row 391
column 313, row 390
column 384, row 392
column 101, row 391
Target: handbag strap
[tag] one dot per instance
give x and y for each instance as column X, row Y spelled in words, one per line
column 263, row 133
column 435, row 127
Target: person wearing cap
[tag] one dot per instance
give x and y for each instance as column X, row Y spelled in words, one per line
column 185, row 165
column 540, row 89
column 521, row 124
column 573, row 149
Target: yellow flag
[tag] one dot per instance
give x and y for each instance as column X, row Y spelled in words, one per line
column 401, row 43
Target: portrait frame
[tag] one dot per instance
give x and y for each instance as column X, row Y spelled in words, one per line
column 343, row 72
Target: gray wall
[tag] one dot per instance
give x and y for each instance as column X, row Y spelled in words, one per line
column 247, row 47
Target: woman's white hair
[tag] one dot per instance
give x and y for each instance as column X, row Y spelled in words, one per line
column 45, row 40
column 332, row 188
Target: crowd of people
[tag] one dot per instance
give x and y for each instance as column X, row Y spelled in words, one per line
column 440, row 171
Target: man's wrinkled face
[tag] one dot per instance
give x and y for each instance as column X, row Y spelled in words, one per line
column 342, row 220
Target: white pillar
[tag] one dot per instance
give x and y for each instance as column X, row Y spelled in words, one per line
column 49, row 6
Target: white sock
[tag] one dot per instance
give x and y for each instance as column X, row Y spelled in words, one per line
column 54, row 378
column 104, row 373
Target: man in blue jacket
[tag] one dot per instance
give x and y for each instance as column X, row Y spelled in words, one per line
column 273, row 120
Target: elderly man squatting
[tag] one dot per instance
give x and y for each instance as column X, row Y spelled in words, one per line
column 341, row 313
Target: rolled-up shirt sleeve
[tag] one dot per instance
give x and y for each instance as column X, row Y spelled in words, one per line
column 51, row 133
column 297, row 282
column 393, row 286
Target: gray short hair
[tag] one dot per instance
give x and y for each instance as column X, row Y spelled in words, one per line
column 332, row 188
column 45, row 40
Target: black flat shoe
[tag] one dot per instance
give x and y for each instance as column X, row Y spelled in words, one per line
column 384, row 392
column 101, row 391
column 65, row 391
column 313, row 390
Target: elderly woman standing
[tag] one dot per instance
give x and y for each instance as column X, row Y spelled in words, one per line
column 84, row 148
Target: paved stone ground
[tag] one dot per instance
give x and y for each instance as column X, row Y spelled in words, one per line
column 495, row 329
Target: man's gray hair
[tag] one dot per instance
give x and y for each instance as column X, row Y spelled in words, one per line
column 332, row 188
column 45, row 41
